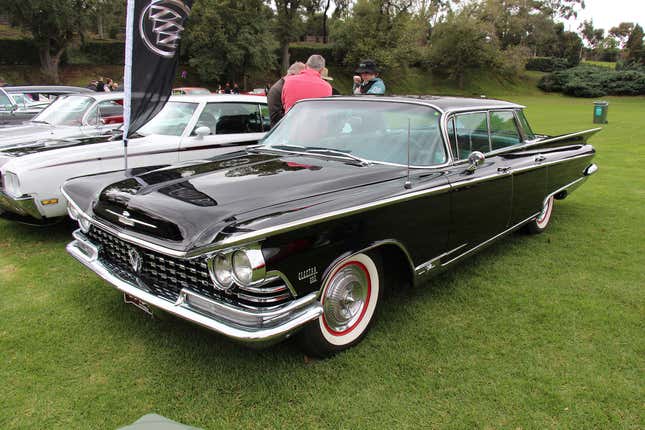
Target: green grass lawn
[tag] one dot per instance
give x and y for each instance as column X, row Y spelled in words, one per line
column 536, row 332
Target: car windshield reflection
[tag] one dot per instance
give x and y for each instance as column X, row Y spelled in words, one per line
column 68, row 110
column 362, row 130
column 171, row 121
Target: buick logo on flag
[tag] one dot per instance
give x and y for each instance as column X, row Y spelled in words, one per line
column 161, row 25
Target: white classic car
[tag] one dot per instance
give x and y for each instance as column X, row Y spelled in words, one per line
column 187, row 128
column 77, row 115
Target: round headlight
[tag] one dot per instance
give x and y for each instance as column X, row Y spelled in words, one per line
column 220, row 270
column 242, row 268
column 248, row 266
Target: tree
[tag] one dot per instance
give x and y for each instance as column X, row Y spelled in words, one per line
column 109, row 17
column 53, row 24
column 634, row 49
column 287, row 27
column 383, row 30
column 622, row 32
column 227, row 39
column 463, row 44
column 593, row 36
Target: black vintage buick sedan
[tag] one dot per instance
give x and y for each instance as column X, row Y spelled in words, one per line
column 347, row 196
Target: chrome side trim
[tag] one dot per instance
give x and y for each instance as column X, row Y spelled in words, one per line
column 567, row 136
column 259, row 234
column 550, row 163
column 429, row 265
column 248, row 326
column 286, row 227
column 486, row 242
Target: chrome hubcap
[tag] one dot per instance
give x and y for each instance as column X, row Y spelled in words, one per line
column 345, row 298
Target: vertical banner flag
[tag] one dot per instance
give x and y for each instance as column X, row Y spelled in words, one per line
column 153, row 31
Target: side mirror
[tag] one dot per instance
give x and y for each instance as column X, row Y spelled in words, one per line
column 202, row 131
column 475, row 159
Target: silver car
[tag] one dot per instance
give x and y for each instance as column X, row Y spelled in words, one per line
column 70, row 116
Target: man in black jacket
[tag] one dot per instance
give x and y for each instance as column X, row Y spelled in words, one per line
column 274, row 97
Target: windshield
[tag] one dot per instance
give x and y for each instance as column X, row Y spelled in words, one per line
column 68, row 110
column 171, row 121
column 371, row 130
column 5, row 102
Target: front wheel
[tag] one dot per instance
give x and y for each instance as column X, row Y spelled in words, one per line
column 539, row 224
column 349, row 299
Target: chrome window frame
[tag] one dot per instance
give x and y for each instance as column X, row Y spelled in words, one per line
column 466, row 112
column 520, row 146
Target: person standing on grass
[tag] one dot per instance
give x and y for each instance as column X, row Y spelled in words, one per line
column 274, row 94
column 307, row 84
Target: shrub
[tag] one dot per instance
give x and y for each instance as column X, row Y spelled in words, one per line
column 594, row 81
column 546, row 64
column 104, row 52
column 18, row 51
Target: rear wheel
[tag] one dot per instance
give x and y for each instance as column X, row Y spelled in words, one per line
column 349, row 298
column 539, row 224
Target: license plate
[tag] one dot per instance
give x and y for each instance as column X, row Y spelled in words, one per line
column 138, row 303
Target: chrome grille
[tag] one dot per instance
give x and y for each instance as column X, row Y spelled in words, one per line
column 166, row 276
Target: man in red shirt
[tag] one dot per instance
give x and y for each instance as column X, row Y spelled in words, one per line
column 305, row 85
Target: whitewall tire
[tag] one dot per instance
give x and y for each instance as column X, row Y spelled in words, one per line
column 350, row 296
column 541, row 222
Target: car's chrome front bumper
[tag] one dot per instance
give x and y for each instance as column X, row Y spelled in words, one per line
column 254, row 327
column 22, row 206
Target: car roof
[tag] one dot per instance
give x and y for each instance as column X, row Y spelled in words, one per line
column 198, row 98
column 49, row 89
column 445, row 104
column 100, row 95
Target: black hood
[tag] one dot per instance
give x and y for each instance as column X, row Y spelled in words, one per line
column 44, row 145
column 193, row 202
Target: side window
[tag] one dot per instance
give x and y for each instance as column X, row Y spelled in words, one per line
column 503, row 130
column 5, row 102
column 266, row 119
column 452, row 137
column 230, row 118
column 107, row 112
column 208, row 117
column 472, row 133
column 528, row 133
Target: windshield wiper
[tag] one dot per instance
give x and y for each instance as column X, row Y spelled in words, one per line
column 289, row 147
column 328, row 151
column 316, row 150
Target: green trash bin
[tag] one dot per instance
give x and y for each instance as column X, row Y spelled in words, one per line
column 600, row 112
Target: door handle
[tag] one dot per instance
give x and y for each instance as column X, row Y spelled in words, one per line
column 505, row 169
column 539, row 158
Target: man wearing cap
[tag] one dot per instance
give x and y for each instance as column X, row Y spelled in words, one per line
column 307, row 84
column 367, row 81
